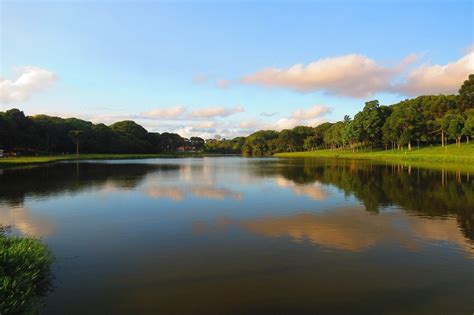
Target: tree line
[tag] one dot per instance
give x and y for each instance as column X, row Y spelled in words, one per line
column 42, row 134
column 424, row 120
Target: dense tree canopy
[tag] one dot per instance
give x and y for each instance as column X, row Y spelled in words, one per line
column 424, row 120
column 45, row 134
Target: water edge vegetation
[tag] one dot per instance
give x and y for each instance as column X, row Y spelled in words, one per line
column 25, row 265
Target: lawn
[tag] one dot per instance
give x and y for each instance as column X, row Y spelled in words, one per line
column 436, row 156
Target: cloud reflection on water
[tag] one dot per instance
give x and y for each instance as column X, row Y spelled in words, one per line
column 352, row 229
column 314, row 190
column 178, row 193
column 25, row 221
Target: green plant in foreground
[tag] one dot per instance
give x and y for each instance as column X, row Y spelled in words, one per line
column 24, row 274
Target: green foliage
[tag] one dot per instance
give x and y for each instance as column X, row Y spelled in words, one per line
column 260, row 143
column 455, row 125
column 44, row 134
column 466, row 94
column 232, row 146
column 197, row 142
column 24, row 274
column 468, row 129
column 424, row 120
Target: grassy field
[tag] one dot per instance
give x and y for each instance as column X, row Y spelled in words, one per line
column 31, row 160
column 436, row 156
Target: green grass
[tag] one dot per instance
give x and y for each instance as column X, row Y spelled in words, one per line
column 452, row 157
column 24, row 274
column 29, row 160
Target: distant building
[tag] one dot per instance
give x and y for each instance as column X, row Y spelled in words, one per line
column 186, row 149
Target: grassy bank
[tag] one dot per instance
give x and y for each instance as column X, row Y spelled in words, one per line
column 24, row 274
column 436, row 156
column 31, row 160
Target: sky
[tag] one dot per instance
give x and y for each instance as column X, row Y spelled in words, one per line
column 228, row 68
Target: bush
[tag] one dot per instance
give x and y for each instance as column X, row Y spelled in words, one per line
column 24, row 274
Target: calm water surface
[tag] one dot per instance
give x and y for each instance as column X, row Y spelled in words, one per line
column 231, row 235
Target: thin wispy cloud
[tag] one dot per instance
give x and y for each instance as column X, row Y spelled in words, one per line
column 182, row 113
column 164, row 113
column 222, row 84
column 199, row 79
column 218, row 111
column 268, row 114
column 31, row 79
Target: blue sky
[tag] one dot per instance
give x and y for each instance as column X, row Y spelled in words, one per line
column 213, row 67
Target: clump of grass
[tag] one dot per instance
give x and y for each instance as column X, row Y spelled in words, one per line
column 25, row 274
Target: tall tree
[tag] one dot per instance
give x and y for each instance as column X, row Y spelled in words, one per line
column 77, row 137
column 466, row 94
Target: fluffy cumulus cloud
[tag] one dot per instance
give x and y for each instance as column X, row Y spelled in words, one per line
column 290, row 122
column 358, row 76
column 437, row 79
column 30, row 80
column 350, row 75
column 311, row 116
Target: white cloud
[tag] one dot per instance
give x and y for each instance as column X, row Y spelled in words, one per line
column 251, row 124
column 312, row 116
column 30, row 80
column 177, row 113
column 218, row 111
column 314, row 191
column 350, row 75
column 437, row 79
column 164, row 113
column 288, row 123
column 310, row 113
column 206, row 124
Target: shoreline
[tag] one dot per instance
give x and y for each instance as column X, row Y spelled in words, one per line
column 452, row 157
column 46, row 159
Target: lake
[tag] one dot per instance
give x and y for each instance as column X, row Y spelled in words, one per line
column 231, row 235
